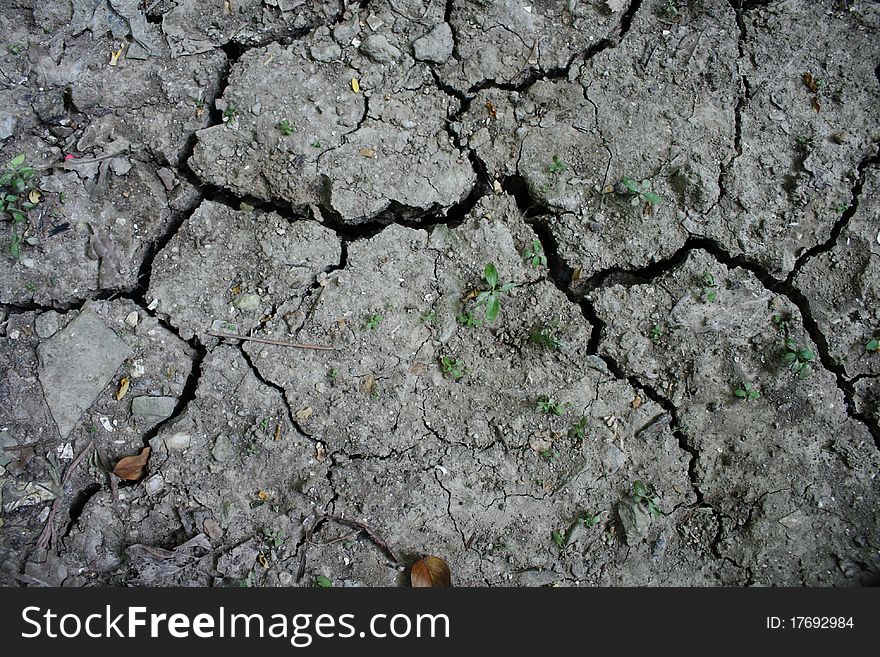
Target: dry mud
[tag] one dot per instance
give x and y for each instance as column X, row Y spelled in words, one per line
column 340, row 174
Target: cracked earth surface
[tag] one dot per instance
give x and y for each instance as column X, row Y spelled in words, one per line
column 339, row 174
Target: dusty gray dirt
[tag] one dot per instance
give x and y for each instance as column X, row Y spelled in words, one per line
column 678, row 200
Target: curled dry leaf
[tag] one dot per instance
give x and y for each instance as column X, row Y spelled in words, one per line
column 123, row 388
column 431, row 572
column 133, row 468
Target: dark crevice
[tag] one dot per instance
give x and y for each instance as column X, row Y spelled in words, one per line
column 277, row 388
column 532, row 75
column 843, row 221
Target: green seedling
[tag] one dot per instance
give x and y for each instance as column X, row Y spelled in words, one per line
column 491, row 296
column 781, row 323
column 316, row 143
column 15, row 182
column 535, row 255
column 453, row 367
column 656, row 333
column 873, row 345
column 469, row 319
column 549, row 406
column 557, row 166
column 747, row 391
column 549, row 454
column 373, row 322
column 586, row 519
column 710, row 287
column 333, row 374
column 546, row 337
column 578, row 430
column 798, row 359
column 640, row 192
column 230, row 113
column 429, row 317
column 668, row 9
column 323, row 582
column 647, row 497
column 285, row 127
column 841, row 208
column 273, row 537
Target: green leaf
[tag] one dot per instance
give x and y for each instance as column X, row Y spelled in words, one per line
column 805, row 371
column 11, row 198
column 806, row 354
column 26, row 172
column 631, row 185
column 652, row 198
column 324, row 582
column 645, row 187
column 18, row 217
column 639, row 489
column 740, row 393
column 17, row 185
column 789, row 357
column 15, row 246
column 873, row 345
column 493, row 308
column 17, row 161
column 558, row 538
column 491, row 275
column 482, row 297
column 507, row 287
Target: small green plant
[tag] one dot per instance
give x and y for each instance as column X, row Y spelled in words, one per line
column 557, row 166
column 549, row 454
column 798, row 359
column 285, row 127
column 586, row 519
column 230, row 114
column 333, row 374
column 549, row 406
column 578, row 430
column 646, row 496
column 546, row 337
column 656, row 333
column 469, row 319
column 873, row 345
column 373, row 322
column 841, row 208
column 316, row 143
column 453, row 367
column 429, row 317
column 667, row 9
column 15, row 182
column 535, row 255
column 640, row 192
column 273, row 537
column 491, row 296
column 781, row 323
column 747, row 391
column 15, row 48
column 323, row 582
column 710, row 287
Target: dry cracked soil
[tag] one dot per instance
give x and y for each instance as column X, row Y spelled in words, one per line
column 594, row 282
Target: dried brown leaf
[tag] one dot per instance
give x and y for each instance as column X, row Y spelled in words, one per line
column 431, row 572
column 810, row 82
column 133, row 468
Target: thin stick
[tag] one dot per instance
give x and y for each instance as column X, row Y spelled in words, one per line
column 370, row 532
column 69, row 164
column 277, row 343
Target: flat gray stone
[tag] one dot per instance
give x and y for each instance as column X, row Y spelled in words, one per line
column 436, row 46
column 150, row 411
column 47, row 324
column 75, row 365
